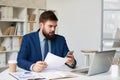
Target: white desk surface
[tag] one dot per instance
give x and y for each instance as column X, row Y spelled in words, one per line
column 104, row 76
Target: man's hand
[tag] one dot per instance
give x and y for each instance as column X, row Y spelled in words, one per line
column 70, row 59
column 39, row 66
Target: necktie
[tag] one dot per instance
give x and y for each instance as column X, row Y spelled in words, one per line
column 46, row 48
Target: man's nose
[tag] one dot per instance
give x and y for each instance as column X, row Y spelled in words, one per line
column 53, row 28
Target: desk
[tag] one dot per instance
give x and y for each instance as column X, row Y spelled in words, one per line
column 104, row 76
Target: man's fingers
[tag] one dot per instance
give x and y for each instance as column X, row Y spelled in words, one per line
column 39, row 66
column 69, row 59
column 41, row 63
column 70, row 56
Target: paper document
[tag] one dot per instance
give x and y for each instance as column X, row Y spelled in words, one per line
column 54, row 61
column 56, row 74
column 52, row 74
column 26, row 75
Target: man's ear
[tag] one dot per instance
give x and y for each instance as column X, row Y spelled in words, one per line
column 41, row 25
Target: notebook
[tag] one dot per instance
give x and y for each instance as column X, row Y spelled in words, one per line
column 100, row 63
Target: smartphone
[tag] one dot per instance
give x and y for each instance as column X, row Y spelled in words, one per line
column 70, row 52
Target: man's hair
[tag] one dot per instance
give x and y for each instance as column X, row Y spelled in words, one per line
column 47, row 15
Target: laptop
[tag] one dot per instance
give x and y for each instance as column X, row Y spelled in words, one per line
column 99, row 64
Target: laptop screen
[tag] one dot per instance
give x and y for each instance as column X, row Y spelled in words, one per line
column 101, row 62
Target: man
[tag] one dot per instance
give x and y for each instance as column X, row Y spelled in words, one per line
column 32, row 53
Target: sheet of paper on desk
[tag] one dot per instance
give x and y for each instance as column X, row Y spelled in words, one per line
column 56, row 74
column 26, row 75
column 54, row 61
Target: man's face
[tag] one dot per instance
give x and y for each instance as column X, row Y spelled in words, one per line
column 48, row 29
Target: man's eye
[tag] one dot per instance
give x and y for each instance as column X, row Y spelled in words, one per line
column 50, row 26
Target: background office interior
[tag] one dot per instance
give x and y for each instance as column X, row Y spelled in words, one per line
column 80, row 23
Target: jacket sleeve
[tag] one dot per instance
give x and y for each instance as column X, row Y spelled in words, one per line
column 23, row 54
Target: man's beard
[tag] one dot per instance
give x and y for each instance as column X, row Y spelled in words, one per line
column 50, row 37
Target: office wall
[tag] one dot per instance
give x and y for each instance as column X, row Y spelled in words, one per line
column 80, row 23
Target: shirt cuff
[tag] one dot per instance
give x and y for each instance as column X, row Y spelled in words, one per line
column 31, row 67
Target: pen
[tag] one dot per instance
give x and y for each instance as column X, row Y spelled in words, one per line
column 36, row 79
column 27, row 72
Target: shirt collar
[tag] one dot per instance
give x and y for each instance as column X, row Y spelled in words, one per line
column 42, row 37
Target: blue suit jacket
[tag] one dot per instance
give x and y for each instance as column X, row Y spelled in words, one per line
column 30, row 51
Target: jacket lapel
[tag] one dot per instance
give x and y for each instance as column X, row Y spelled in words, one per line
column 53, row 46
column 37, row 42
